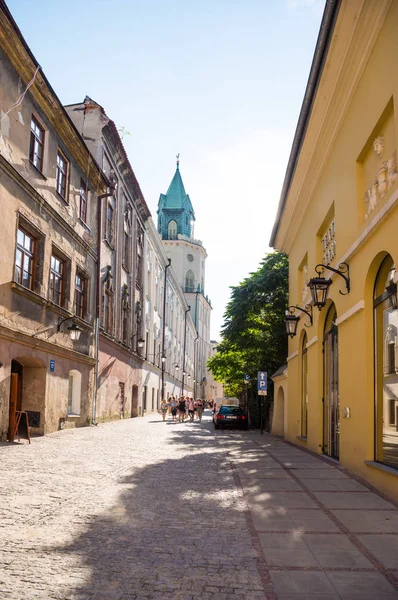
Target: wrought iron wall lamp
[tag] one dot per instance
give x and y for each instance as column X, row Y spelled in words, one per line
column 291, row 320
column 74, row 329
column 319, row 286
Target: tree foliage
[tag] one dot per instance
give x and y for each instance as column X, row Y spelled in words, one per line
column 253, row 335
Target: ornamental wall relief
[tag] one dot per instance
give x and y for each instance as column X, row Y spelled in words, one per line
column 386, row 175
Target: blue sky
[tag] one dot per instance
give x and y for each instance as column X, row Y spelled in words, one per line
column 219, row 81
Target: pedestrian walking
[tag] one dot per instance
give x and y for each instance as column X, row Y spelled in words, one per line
column 191, row 409
column 169, row 406
column 181, row 409
column 163, row 409
column 199, row 408
column 173, row 406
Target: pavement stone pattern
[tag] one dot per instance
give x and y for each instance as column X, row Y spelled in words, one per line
column 141, row 509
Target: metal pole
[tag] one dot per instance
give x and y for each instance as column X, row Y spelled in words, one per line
column 164, row 327
column 183, row 358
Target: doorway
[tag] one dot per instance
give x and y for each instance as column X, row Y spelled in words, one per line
column 134, row 401
column 331, row 407
column 15, row 394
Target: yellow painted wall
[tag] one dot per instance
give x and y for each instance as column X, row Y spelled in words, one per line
column 349, row 170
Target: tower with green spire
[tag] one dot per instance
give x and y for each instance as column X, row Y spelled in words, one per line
column 175, row 211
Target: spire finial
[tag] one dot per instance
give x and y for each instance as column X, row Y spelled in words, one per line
column 178, row 160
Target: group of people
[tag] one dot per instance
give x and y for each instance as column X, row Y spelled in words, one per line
column 183, row 407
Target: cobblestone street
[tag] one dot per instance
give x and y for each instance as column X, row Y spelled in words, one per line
column 131, row 509
column 144, row 509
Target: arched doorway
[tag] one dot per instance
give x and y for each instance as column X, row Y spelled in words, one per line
column 278, row 417
column 28, row 392
column 331, row 409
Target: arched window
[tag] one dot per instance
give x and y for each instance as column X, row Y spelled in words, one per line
column 172, row 230
column 74, row 392
column 189, row 281
column 386, row 364
column 304, row 387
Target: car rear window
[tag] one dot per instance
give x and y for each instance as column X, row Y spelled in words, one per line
column 231, row 410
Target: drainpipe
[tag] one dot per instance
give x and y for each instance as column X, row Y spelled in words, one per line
column 164, row 327
column 195, row 356
column 112, row 188
column 183, row 358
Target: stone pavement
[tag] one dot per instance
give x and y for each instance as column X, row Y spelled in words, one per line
column 141, row 509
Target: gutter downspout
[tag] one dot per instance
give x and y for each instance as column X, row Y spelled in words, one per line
column 195, row 356
column 163, row 357
column 183, row 358
column 112, row 188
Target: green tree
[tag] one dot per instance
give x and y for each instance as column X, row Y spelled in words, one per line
column 253, row 335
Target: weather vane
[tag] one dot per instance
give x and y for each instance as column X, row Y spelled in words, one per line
column 178, row 159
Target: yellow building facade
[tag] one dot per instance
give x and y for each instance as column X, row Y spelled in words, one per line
column 339, row 209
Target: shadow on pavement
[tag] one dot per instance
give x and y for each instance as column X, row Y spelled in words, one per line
column 177, row 531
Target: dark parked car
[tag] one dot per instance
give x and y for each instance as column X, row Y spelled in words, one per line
column 233, row 416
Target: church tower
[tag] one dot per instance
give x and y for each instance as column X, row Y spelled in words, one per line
column 175, row 212
column 176, row 219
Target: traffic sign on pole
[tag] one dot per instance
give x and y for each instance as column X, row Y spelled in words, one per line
column 262, row 382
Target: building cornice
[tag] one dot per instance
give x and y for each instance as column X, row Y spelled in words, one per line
column 22, row 59
column 353, row 37
column 35, row 343
column 318, row 62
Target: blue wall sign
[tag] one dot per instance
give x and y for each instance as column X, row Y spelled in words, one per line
column 261, row 381
column 52, row 366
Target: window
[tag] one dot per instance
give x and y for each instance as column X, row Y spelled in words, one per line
column 61, row 175
column 107, row 321
column 36, row 144
column 190, row 281
column 172, row 230
column 125, row 325
column 80, row 295
column 57, row 268
column 126, row 253
column 25, row 259
column 83, row 201
column 109, row 223
column 74, row 393
column 304, row 388
column 127, row 237
column 386, row 365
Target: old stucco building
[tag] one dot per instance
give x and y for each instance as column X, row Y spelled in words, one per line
column 49, row 184
column 339, row 210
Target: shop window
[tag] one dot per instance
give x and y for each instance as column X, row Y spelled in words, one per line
column 386, row 365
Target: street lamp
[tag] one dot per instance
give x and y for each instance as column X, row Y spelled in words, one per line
column 291, row 320
column 74, row 329
column 140, row 341
column 319, row 286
